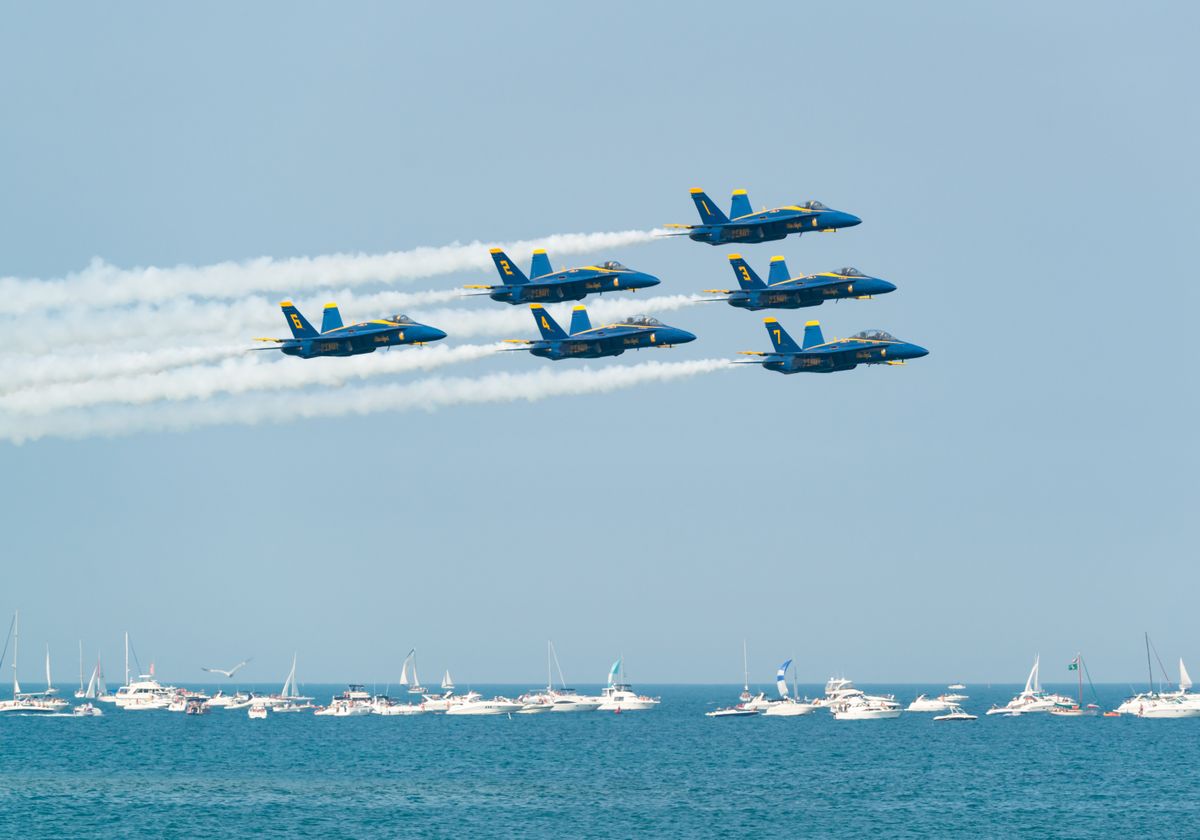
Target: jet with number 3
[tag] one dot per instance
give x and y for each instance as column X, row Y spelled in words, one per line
column 816, row 355
column 335, row 339
column 784, row 292
column 544, row 284
column 744, row 225
column 587, row 342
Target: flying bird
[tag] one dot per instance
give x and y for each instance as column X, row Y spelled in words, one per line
column 228, row 673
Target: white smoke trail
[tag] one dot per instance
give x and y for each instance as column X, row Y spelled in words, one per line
column 28, row 371
column 187, row 320
column 426, row 394
column 101, row 284
column 252, row 372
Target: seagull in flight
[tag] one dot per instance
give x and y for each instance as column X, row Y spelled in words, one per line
column 228, row 673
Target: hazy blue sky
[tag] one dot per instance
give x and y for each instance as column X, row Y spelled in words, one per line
column 1027, row 175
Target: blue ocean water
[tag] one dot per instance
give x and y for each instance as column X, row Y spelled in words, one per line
column 670, row 772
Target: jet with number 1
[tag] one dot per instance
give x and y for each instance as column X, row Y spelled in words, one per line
column 782, row 291
column 587, row 342
column 744, row 225
column 869, row 347
column 335, row 339
column 544, row 284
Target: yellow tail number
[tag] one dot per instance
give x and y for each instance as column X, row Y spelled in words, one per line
column 296, row 321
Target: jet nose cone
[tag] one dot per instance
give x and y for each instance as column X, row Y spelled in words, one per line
column 916, row 351
column 432, row 334
column 682, row 336
column 882, row 287
column 848, row 220
column 644, row 281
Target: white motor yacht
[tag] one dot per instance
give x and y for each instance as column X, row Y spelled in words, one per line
column 480, row 706
column 86, row 710
column 732, row 711
column 443, row 702
column 618, row 695
column 567, row 700
column 392, row 709
column 928, row 704
column 256, row 712
column 865, row 709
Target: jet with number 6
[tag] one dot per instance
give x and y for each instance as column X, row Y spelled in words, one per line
column 784, row 292
column 334, row 339
column 744, row 225
column 544, row 284
column 816, row 355
column 587, row 342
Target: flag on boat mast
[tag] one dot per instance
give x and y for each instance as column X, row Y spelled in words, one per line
column 1074, row 666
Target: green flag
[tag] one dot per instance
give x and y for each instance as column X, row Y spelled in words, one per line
column 1074, row 666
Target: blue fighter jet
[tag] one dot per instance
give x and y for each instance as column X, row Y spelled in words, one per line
column 744, row 225
column 586, row 342
column 334, row 339
column 870, row 347
column 782, row 291
column 569, row 284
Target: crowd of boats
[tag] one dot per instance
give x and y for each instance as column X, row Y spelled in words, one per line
column 145, row 693
column 841, row 698
column 846, row 702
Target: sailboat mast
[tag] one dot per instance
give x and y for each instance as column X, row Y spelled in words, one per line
column 16, row 642
column 49, row 685
column 549, row 673
column 745, row 669
column 126, row 657
column 81, row 664
column 1149, row 669
column 1079, row 673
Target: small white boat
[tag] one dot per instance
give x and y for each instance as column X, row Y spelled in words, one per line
column 953, row 697
column 86, row 710
column 732, row 711
column 956, row 686
column 292, row 706
column 256, row 712
column 392, row 709
column 866, row 711
column 957, row 713
column 352, row 702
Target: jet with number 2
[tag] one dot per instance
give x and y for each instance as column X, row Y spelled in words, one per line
column 587, row 342
column 744, row 225
column 784, row 292
column 869, row 347
column 334, row 339
column 544, row 284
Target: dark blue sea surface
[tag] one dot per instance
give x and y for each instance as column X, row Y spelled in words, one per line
column 670, row 772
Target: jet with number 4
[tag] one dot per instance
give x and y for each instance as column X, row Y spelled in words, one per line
column 587, row 342
column 744, row 225
column 782, row 291
column 544, row 284
column 870, row 347
column 335, row 339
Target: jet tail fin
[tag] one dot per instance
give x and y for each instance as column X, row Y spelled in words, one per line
column 298, row 323
column 331, row 319
column 509, row 273
column 541, row 265
column 580, row 322
column 709, row 214
column 782, row 342
column 744, row 273
column 812, row 334
column 779, row 271
column 740, row 205
column 548, row 327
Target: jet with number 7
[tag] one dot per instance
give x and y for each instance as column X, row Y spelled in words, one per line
column 587, row 342
column 816, row 355
column 544, row 284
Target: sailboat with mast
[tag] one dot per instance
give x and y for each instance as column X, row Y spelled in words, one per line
column 412, row 681
column 31, row 702
column 1032, row 698
column 290, row 699
column 1160, row 704
column 1076, row 709
column 788, row 706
